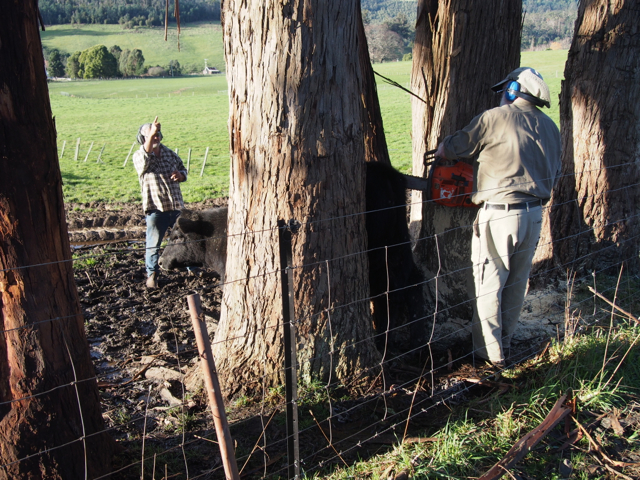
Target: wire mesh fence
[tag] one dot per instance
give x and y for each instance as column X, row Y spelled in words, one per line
column 152, row 398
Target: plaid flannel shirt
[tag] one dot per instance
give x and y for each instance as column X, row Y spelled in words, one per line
column 159, row 192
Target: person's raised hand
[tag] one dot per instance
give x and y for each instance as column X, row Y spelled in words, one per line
column 155, row 127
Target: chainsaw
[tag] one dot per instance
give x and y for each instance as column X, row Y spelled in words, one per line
column 449, row 185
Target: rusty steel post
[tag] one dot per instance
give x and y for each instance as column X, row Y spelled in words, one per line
column 213, row 389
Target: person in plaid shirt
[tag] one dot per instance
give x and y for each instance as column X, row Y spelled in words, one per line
column 160, row 172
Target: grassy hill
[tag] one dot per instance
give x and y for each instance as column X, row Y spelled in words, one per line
column 198, row 41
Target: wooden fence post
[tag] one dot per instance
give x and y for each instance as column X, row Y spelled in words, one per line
column 213, row 389
column 188, row 161
column 129, row 154
column 88, row 152
column 77, row 149
column 204, row 162
column 100, row 154
column 64, row 143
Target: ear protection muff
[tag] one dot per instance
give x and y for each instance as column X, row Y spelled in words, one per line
column 141, row 138
column 511, row 90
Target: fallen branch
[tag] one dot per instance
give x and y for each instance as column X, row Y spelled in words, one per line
column 206, row 439
column 602, row 297
column 503, row 387
column 600, row 450
column 392, row 440
column 544, row 349
column 530, row 440
column 133, row 379
column 616, row 473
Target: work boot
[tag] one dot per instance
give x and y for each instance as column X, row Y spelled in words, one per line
column 492, row 368
column 495, row 369
column 152, row 280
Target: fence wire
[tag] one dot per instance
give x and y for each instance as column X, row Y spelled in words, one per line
column 421, row 384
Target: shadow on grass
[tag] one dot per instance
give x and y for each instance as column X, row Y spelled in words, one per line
column 85, row 31
column 71, row 179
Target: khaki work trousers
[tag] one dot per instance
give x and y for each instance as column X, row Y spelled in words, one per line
column 502, row 249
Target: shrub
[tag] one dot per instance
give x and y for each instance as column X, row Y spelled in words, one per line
column 131, row 62
column 175, row 68
column 157, row 72
column 384, row 45
column 97, row 62
column 190, row 68
column 56, row 67
column 73, row 66
column 116, row 51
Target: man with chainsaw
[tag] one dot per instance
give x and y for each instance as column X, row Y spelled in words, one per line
column 517, row 166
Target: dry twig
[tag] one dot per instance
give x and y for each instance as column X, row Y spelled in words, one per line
column 600, row 450
column 530, row 440
column 602, row 297
column 327, row 439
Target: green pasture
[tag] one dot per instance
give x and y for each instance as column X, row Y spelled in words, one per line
column 550, row 63
column 193, row 111
column 198, row 41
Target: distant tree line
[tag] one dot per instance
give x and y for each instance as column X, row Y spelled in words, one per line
column 100, row 62
column 379, row 11
column 126, row 13
column 389, row 40
column 389, row 25
column 547, row 21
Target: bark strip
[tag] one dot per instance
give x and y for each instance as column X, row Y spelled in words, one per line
column 530, row 440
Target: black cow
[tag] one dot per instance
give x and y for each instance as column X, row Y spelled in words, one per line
column 393, row 268
column 200, row 239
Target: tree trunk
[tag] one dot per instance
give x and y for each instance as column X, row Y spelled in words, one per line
column 374, row 138
column 593, row 221
column 462, row 48
column 297, row 151
column 43, row 348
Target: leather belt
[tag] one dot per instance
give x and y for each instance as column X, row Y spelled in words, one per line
column 512, row 206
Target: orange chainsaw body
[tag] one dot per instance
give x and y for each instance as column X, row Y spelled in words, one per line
column 452, row 185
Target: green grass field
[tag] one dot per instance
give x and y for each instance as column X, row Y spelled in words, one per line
column 193, row 111
column 198, row 41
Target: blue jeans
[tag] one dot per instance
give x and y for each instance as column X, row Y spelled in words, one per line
column 157, row 225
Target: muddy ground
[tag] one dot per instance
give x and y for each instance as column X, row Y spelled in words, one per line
column 145, row 357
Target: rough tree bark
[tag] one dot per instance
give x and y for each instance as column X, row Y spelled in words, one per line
column 462, row 48
column 593, row 221
column 297, row 151
column 374, row 138
column 43, row 348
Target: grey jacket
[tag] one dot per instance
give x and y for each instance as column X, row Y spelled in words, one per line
column 518, row 150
